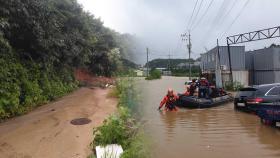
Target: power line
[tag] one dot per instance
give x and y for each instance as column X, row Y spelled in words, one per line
column 206, row 38
column 237, row 16
column 222, row 19
column 217, row 17
column 200, row 4
column 203, row 15
column 192, row 13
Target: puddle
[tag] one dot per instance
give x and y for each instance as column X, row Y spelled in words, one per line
column 80, row 121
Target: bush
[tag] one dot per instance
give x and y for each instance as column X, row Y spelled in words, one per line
column 235, row 86
column 122, row 128
column 138, row 148
column 25, row 86
column 154, row 74
column 113, row 131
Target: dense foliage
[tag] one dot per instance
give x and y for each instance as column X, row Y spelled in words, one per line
column 235, row 86
column 42, row 42
column 178, row 67
column 154, row 74
column 195, row 70
column 167, row 63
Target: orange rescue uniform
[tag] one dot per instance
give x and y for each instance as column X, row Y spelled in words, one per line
column 169, row 102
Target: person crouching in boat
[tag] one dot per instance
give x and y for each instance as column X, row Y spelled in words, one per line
column 192, row 87
column 187, row 92
column 169, row 101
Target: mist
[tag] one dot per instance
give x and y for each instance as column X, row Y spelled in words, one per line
column 158, row 24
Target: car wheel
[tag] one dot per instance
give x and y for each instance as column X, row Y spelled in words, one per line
column 266, row 122
column 235, row 107
column 262, row 120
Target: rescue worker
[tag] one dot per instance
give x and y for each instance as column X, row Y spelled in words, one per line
column 203, row 88
column 169, row 101
column 193, row 87
column 187, row 93
column 213, row 91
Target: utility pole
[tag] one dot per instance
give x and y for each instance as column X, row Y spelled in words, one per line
column 230, row 66
column 147, row 65
column 218, row 71
column 187, row 38
column 189, row 48
column 169, row 63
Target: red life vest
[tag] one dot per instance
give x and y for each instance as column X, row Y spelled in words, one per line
column 203, row 83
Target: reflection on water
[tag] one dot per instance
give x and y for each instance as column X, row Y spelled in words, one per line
column 197, row 133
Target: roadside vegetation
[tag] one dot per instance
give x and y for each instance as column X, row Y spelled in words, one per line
column 42, row 43
column 154, row 74
column 122, row 128
column 235, row 86
column 185, row 72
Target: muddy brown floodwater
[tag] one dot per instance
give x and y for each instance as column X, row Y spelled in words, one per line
column 219, row 132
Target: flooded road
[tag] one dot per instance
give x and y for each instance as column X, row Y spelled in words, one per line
column 219, row 132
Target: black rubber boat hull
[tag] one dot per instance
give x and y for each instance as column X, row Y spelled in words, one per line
column 194, row 102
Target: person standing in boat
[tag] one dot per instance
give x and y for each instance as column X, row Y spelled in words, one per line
column 169, row 101
column 203, row 88
column 192, row 87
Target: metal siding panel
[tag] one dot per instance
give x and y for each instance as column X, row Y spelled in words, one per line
column 263, row 59
column 267, row 59
column 277, row 76
column 224, row 57
column 249, row 62
column 237, row 58
column 276, row 57
column 241, row 76
column 264, row 77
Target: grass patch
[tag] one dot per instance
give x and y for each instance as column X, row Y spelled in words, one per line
column 235, row 86
column 122, row 128
column 154, row 74
column 113, row 93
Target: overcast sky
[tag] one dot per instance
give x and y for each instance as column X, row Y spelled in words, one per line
column 159, row 23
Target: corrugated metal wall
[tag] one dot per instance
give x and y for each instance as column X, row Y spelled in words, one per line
column 237, row 54
column 276, row 58
column 263, row 77
column 249, row 62
column 241, row 76
column 237, row 58
column 263, row 66
column 266, row 77
column 264, row 59
column 277, row 76
column 238, row 76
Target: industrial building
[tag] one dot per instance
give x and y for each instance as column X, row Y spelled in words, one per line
column 215, row 63
column 263, row 65
column 248, row 68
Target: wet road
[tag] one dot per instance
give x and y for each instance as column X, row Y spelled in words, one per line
column 219, row 132
column 47, row 131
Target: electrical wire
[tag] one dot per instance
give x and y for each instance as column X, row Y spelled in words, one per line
column 200, row 4
column 203, row 15
column 237, row 16
column 222, row 19
column 192, row 14
column 209, row 32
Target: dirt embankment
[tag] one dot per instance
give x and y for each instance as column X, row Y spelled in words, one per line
column 47, row 132
column 89, row 79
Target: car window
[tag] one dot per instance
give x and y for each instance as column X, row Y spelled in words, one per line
column 274, row 91
column 246, row 92
column 262, row 90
